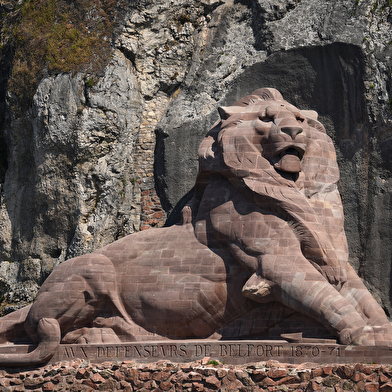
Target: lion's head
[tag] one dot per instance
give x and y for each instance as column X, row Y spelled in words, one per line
column 264, row 136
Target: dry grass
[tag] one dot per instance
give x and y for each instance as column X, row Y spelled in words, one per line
column 54, row 36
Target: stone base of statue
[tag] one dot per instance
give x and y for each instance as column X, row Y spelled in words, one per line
column 227, row 351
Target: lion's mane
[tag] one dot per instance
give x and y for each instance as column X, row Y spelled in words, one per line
column 233, row 148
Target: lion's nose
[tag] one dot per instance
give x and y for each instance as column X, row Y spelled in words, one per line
column 292, row 131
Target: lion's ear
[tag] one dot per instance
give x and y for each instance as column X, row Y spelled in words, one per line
column 309, row 114
column 226, row 111
column 317, row 125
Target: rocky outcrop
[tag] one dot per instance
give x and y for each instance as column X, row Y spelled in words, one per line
column 206, row 375
column 94, row 159
column 69, row 188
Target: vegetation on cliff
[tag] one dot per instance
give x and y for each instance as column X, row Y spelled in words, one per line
column 53, row 36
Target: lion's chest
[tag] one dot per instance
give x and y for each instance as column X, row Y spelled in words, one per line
column 245, row 228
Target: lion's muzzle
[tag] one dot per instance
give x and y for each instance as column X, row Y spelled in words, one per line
column 284, row 153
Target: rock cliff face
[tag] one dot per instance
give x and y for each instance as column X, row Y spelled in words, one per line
column 91, row 161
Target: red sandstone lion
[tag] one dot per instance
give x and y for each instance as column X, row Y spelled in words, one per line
column 266, row 224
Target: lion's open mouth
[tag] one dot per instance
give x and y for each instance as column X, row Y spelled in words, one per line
column 289, row 160
column 292, row 151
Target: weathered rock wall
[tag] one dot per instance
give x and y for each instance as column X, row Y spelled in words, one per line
column 91, row 162
column 69, row 188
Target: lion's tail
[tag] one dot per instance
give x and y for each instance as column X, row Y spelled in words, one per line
column 12, row 329
column 49, row 336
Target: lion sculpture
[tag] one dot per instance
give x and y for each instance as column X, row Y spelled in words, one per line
column 265, row 225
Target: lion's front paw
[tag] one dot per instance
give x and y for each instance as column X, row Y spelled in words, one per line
column 383, row 336
column 367, row 336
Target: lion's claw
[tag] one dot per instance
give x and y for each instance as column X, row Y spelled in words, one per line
column 380, row 336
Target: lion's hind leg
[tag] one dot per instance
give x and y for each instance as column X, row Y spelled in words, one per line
column 71, row 304
column 124, row 330
column 91, row 335
column 107, row 329
column 56, row 309
column 53, row 311
column 77, row 293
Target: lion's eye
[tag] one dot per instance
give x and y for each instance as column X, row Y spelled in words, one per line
column 272, row 110
column 265, row 118
column 300, row 119
column 262, row 127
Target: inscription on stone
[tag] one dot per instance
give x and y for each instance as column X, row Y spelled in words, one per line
column 190, row 351
column 142, row 351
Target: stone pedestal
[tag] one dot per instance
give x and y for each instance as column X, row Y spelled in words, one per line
column 229, row 352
